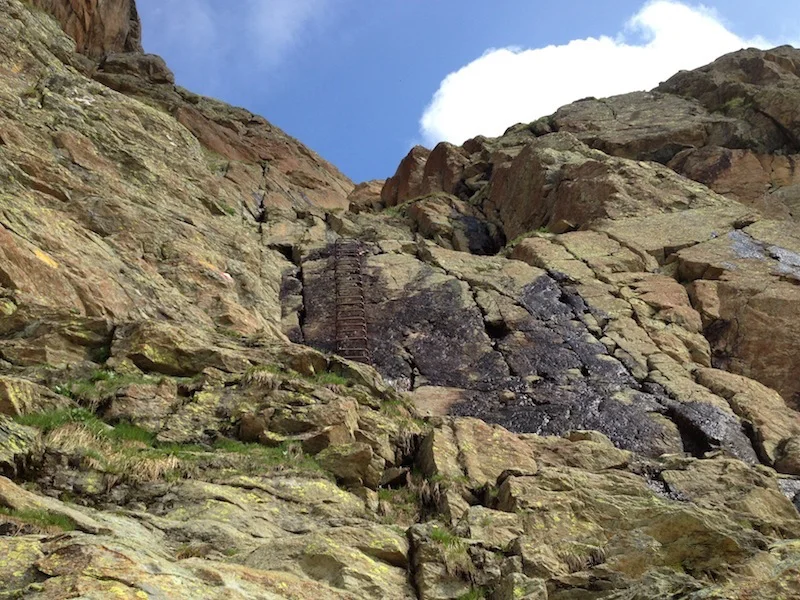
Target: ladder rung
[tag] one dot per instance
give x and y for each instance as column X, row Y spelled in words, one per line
column 352, row 336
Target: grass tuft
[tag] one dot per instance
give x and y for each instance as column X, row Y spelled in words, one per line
column 454, row 553
column 329, row 379
column 444, row 537
column 99, row 384
column 132, row 433
column 474, row 594
column 286, row 455
column 50, row 420
column 40, row 518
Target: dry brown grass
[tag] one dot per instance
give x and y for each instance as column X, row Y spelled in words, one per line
column 131, row 461
column 263, row 378
column 71, row 437
column 147, row 469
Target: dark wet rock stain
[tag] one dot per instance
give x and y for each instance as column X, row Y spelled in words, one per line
column 545, row 374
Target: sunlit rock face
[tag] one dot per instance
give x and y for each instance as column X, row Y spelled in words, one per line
column 99, row 27
column 582, row 362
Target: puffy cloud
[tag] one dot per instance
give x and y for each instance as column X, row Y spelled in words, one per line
column 211, row 34
column 512, row 85
column 278, row 25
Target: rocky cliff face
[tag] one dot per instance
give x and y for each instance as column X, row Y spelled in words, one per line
column 99, row 27
column 729, row 126
column 173, row 422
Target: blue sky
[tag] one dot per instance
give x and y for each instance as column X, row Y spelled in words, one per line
column 361, row 81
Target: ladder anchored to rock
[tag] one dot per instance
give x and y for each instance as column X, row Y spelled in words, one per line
column 352, row 340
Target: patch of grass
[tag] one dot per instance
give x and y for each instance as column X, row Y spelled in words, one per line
column 399, row 506
column 401, row 410
column 394, row 408
column 454, row 553
column 403, row 496
column 100, row 383
column 122, row 453
column 131, row 433
column 179, row 450
column 30, row 91
column 234, row 446
column 285, row 455
column 230, row 333
column 473, row 594
column 127, row 452
column 442, row 536
column 274, row 369
column 392, row 211
column 102, row 375
column 260, row 372
column 50, row 420
column 229, row 210
column 527, row 234
column 40, row 518
column 79, row 437
column 462, row 479
column 266, row 376
column 143, row 468
column 397, row 211
column 327, row 378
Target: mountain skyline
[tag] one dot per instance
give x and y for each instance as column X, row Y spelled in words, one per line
column 353, row 81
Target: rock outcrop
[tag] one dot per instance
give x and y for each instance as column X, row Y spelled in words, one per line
column 728, row 126
column 98, row 27
column 731, row 125
column 174, row 423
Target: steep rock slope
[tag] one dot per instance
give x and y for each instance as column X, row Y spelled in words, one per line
column 727, row 125
column 161, row 437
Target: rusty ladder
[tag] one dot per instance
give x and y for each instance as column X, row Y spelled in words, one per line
column 352, row 341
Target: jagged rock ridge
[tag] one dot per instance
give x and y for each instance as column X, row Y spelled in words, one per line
column 160, row 436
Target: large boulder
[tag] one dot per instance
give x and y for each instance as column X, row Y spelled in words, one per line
column 761, row 85
column 648, row 125
column 407, row 181
column 767, row 182
column 559, row 183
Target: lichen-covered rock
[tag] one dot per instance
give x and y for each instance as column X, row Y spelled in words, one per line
column 21, row 397
column 20, row 447
column 159, row 250
column 366, row 196
column 17, row 565
column 352, row 464
column 369, row 562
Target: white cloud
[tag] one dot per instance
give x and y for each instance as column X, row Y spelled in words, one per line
column 276, row 26
column 512, row 85
column 214, row 33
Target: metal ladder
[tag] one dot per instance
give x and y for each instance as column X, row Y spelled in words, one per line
column 352, row 340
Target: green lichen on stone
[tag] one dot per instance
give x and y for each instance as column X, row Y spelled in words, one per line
column 17, row 444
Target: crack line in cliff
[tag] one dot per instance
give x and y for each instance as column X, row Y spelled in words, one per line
column 302, row 313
